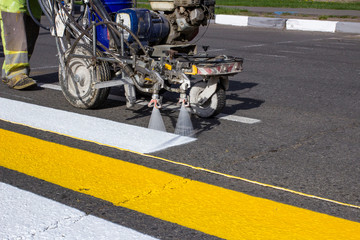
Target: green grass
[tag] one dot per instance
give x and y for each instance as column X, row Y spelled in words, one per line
column 143, row 5
column 325, row 17
column 291, row 4
column 231, row 11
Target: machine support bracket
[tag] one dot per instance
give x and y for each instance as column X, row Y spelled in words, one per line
column 113, row 83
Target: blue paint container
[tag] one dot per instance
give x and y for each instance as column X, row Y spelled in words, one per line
column 111, row 6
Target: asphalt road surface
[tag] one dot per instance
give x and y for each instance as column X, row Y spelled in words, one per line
column 299, row 89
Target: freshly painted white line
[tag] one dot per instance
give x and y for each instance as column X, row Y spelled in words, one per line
column 88, row 128
column 238, row 119
column 168, row 106
column 25, row 215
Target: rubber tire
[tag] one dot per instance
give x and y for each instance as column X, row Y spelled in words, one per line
column 84, row 95
column 212, row 106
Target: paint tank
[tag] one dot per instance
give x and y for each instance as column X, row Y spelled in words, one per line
column 150, row 27
column 112, row 6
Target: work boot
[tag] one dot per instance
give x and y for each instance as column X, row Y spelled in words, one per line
column 5, row 80
column 19, row 82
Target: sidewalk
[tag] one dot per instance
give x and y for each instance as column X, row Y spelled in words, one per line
column 304, row 19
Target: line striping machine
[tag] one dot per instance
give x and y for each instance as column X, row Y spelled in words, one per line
column 107, row 43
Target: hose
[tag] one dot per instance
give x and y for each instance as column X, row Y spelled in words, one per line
column 47, row 6
column 34, row 18
column 101, row 11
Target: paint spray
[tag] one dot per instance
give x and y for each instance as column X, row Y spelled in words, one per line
column 184, row 125
column 156, row 122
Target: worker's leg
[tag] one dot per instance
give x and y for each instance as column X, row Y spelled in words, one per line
column 32, row 33
column 16, row 65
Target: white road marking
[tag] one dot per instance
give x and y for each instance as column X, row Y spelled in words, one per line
column 270, row 55
column 214, row 50
column 255, row 45
column 50, row 86
column 166, row 106
column 284, row 51
column 305, row 48
column 343, row 43
column 238, row 118
column 25, row 215
column 282, row 42
column 303, row 41
column 101, row 131
column 45, row 67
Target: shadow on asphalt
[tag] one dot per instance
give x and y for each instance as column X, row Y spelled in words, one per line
column 200, row 124
column 242, row 103
column 47, row 78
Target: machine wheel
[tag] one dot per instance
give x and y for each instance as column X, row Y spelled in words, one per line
column 78, row 78
column 212, row 106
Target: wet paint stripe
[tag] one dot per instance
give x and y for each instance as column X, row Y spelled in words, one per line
column 25, row 215
column 221, row 116
column 217, row 173
column 213, row 210
column 101, row 131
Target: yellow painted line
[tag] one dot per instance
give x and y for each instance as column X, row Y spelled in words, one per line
column 251, row 181
column 202, row 169
column 207, row 208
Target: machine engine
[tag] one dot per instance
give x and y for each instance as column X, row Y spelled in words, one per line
column 171, row 22
column 150, row 28
column 184, row 16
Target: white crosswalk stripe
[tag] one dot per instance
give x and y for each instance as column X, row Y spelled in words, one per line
column 102, row 131
column 34, row 217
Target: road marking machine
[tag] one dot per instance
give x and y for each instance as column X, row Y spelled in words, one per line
column 107, row 43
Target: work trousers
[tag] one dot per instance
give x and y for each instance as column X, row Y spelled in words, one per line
column 19, row 33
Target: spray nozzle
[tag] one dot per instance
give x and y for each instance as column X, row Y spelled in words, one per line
column 155, row 103
column 183, row 100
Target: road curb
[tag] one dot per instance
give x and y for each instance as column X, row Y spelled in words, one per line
column 311, row 25
column 232, row 20
column 289, row 24
column 278, row 23
column 348, row 27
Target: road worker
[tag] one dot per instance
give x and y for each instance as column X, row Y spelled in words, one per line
column 19, row 33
